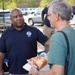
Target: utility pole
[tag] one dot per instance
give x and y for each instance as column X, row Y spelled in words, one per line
column 3, row 14
column 3, row 11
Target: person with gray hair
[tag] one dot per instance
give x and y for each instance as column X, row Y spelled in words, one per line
column 59, row 15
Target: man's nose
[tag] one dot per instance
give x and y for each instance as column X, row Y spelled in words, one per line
column 19, row 17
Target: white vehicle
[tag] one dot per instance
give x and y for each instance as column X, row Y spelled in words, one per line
column 33, row 18
column 24, row 10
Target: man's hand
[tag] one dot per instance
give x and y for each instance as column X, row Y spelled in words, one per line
column 33, row 70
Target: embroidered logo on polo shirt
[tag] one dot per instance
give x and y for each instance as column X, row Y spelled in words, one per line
column 29, row 33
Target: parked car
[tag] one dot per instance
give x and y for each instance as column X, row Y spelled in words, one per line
column 30, row 19
column 33, row 18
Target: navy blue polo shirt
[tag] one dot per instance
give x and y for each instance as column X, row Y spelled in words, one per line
column 20, row 46
column 46, row 21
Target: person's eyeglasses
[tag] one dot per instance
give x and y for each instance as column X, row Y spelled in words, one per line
column 48, row 15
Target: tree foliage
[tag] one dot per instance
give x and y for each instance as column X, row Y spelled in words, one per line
column 31, row 3
column 44, row 3
column 8, row 4
column 12, row 4
column 71, row 1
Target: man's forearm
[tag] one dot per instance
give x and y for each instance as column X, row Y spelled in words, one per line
column 2, row 55
column 47, row 42
column 1, row 72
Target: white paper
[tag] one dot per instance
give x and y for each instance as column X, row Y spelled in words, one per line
column 46, row 67
column 27, row 66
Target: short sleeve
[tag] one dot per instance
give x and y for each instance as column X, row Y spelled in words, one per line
column 41, row 38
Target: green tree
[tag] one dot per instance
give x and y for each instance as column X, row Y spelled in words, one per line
column 43, row 3
column 31, row 3
column 8, row 4
column 71, row 2
column 11, row 4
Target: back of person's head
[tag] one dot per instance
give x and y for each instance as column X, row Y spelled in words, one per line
column 63, row 8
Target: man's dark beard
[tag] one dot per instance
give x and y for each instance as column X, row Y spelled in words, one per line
column 19, row 27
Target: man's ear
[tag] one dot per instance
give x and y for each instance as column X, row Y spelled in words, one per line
column 57, row 17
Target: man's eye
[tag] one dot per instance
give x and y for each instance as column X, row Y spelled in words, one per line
column 15, row 16
column 20, row 15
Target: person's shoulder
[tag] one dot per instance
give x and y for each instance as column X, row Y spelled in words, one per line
column 33, row 28
column 57, row 35
column 6, row 30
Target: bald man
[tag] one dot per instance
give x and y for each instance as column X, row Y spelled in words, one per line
column 19, row 43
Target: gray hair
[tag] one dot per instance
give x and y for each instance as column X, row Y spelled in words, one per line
column 63, row 9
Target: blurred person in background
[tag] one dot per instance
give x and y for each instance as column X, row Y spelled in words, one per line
column 19, row 42
column 59, row 15
column 48, row 30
